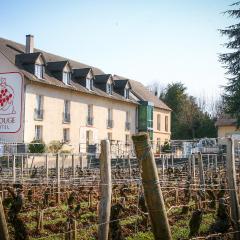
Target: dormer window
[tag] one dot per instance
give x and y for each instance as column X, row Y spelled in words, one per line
column 66, row 78
column 39, row 71
column 89, row 83
column 126, row 93
column 109, row 88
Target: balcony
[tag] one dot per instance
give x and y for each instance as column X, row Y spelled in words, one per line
column 38, row 114
column 89, row 121
column 66, row 118
column 127, row 126
column 109, row 123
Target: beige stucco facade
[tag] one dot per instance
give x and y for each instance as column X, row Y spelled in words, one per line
column 53, row 107
column 162, row 132
column 223, row 131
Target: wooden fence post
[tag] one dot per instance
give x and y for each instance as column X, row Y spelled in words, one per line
column 73, row 167
column 129, row 166
column 46, row 165
column 190, row 165
column 58, row 177
column 151, row 185
column 201, row 171
column 105, row 190
column 14, row 169
column 193, row 168
column 231, row 180
column 3, row 224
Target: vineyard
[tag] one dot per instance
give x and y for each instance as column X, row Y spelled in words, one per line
column 56, row 197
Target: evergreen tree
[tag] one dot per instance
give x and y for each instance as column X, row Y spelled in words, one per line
column 231, row 61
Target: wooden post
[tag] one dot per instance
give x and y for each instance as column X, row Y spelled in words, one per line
column 201, row 171
column 81, row 161
column 105, row 190
column 46, row 165
column 193, row 168
column 190, row 165
column 129, row 166
column 231, row 180
column 73, row 167
column 152, row 190
column 22, row 168
column 74, row 235
column 3, row 224
column 216, row 163
column 58, row 178
column 14, row 169
column 163, row 166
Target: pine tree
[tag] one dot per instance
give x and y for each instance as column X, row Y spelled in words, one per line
column 231, row 61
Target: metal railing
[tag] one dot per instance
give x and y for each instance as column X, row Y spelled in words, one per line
column 127, row 126
column 38, row 114
column 89, row 121
column 66, row 117
column 109, row 123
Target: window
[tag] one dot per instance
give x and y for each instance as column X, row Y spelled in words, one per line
column 90, row 115
column 127, row 139
column 66, row 78
column 109, row 135
column 166, row 123
column 66, row 135
column 126, row 93
column 109, row 114
column 127, row 123
column 39, row 107
column 38, row 132
column 159, row 122
column 109, row 88
column 89, row 137
column 158, row 147
column 89, row 83
column 66, row 111
column 39, row 71
column 109, row 118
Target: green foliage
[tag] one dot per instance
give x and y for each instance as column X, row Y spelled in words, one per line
column 37, row 146
column 188, row 120
column 166, row 147
column 230, row 62
column 54, row 146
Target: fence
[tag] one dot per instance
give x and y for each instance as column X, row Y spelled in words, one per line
column 63, row 192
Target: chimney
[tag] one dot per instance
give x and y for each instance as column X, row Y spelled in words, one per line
column 29, row 43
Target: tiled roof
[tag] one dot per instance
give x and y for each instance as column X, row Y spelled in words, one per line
column 226, row 120
column 10, row 49
column 144, row 94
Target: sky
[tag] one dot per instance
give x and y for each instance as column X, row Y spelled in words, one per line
column 149, row 41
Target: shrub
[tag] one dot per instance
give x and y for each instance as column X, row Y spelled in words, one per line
column 54, row 146
column 37, row 146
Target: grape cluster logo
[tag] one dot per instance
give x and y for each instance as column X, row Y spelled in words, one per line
column 6, row 98
column 10, row 102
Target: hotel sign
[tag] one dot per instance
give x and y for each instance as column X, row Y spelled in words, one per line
column 10, row 102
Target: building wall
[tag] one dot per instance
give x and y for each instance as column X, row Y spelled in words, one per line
column 161, row 134
column 223, row 131
column 53, row 105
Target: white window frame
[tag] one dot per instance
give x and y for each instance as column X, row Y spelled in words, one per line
column 38, row 71
column 38, row 132
column 166, row 124
column 89, row 83
column 159, row 122
column 126, row 93
column 66, row 135
column 109, row 88
column 66, row 78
